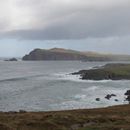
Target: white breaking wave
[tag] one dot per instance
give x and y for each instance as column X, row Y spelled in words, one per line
column 80, row 97
column 77, row 78
column 64, row 76
column 87, row 98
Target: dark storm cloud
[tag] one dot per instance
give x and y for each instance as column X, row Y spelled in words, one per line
column 72, row 19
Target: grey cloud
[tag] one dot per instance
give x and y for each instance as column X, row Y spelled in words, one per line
column 57, row 20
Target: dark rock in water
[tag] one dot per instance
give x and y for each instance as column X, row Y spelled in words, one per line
column 97, row 99
column 81, row 72
column 113, row 95
column 128, row 92
column 116, row 100
column 109, row 96
column 12, row 59
column 128, row 98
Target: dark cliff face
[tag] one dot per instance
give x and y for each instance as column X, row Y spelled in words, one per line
column 50, row 55
column 60, row 54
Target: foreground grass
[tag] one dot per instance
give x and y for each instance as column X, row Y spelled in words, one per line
column 111, row 118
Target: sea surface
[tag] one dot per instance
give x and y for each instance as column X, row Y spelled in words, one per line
column 48, row 85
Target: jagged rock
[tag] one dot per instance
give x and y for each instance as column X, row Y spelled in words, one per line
column 128, row 92
column 128, row 98
column 116, row 100
column 109, row 96
column 97, row 99
column 113, row 95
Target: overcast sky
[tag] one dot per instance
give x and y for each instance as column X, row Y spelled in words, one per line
column 91, row 25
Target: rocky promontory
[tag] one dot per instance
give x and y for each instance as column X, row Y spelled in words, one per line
column 107, row 72
column 67, row 54
column 62, row 54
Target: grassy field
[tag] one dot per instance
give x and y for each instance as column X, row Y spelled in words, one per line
column 111, row 118
column 119, row 69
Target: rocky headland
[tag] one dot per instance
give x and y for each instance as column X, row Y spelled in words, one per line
column 107, row 72
column 67, row 54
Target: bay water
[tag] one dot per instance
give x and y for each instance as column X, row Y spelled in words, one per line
column 49, row 85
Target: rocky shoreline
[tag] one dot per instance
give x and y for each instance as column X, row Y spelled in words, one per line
column 109, row 96
column 116, row 71
column 106, row 72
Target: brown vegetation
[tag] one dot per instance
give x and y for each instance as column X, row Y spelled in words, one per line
column 111, row 118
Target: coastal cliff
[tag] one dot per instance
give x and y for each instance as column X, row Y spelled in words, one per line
column 66, row 54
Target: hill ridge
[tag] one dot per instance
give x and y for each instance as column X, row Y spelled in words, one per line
column 68, row 54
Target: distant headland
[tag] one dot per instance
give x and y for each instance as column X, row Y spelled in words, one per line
column 67, row 55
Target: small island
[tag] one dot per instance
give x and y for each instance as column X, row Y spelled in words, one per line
column 12, row 59
column 115, row 71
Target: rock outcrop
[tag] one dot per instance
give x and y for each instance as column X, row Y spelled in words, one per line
column 128, row 96
column 107, row 72
column 12, row 59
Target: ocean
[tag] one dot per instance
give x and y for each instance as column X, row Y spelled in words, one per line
column 49, row 86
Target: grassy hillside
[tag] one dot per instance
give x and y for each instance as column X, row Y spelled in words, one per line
column 111, row 118
column 109, row 71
